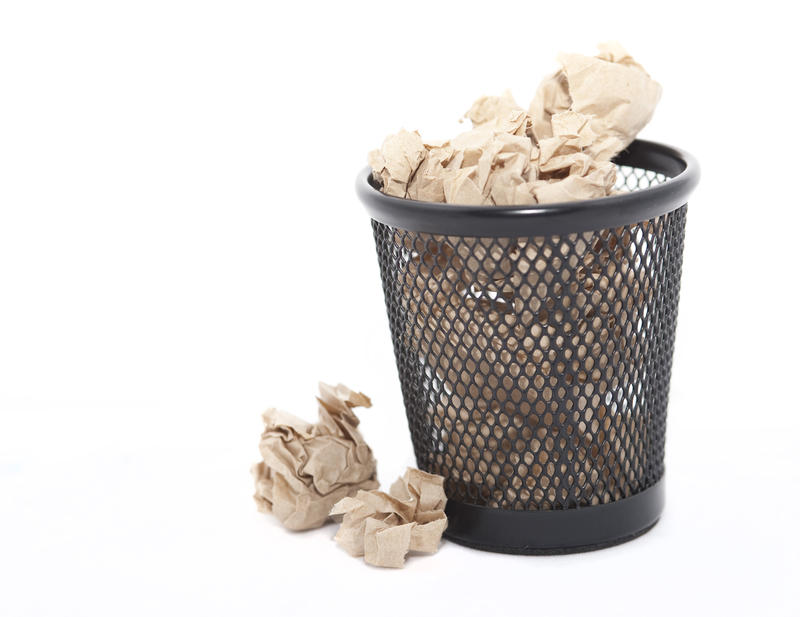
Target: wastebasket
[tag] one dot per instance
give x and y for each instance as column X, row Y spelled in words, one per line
column 534, row 348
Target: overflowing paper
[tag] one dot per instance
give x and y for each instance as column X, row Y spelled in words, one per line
column 307, row 468
column 560, row 149
column 384, row 528
column 614, row 91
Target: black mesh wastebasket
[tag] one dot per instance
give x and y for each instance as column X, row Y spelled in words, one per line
column 534, row 347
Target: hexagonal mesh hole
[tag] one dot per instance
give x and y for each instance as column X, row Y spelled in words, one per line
column 535, row 371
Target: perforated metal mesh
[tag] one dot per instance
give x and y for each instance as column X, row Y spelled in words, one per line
column 535, row 371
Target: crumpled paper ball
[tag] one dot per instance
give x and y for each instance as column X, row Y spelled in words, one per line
column 307, row 468
column 383, row 527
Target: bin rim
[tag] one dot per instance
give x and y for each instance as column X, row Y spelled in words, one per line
column 678, row 165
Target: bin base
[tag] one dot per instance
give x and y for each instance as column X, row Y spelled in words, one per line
column 555, row 532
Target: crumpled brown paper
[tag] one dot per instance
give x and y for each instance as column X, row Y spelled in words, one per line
column 397, row 161
column 385, row 527
column 306, row 467
column 612, row 89
column 558, row 150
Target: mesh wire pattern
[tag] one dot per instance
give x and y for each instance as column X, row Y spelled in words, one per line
column 535, row 370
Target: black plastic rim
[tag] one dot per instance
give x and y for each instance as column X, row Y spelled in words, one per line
column 547, row 219
column 555, row 532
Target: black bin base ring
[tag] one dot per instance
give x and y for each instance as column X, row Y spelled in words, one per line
column 555, row 532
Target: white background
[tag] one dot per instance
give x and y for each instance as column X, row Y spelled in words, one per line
column 181, row 247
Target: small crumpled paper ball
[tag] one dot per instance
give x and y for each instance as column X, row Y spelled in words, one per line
column 307, row 468
column 385, row 527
